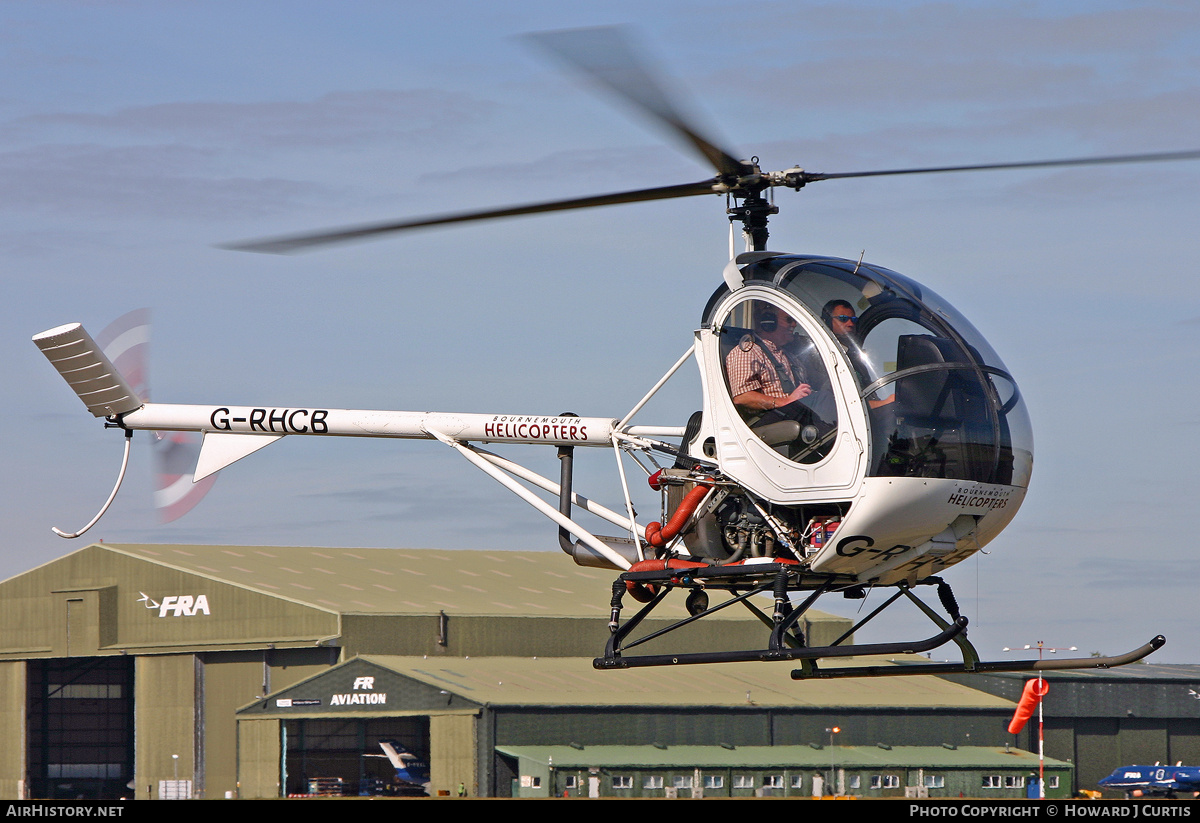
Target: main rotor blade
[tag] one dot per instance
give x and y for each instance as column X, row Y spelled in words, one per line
column 1114, row 159
column 302, row 242
column 607, row 56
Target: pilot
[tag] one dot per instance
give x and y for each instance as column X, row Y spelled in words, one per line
column 840, row 318
column 762, row 375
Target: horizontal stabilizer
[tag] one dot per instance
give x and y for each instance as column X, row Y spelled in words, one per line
column 90, row 374
column 219, row 450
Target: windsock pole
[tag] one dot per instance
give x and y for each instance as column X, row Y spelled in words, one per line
column 1032, row 696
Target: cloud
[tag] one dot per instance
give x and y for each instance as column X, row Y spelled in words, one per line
column 190, row 159
column 162, row 181
column 338, row 119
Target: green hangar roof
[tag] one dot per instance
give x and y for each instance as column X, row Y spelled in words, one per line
column 572, row 681
column 120, row 599
column 399, row 581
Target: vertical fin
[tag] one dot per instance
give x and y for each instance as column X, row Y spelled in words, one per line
column 89, row 373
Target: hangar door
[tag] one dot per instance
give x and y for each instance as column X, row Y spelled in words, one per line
column 80, row 723
column 343, row 756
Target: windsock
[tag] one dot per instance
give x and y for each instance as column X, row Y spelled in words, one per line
column 1035, row 690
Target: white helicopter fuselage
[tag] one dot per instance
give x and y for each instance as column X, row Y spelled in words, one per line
column 912, row 449
column 908, row 452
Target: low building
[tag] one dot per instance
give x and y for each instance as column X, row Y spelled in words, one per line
column 781, row 771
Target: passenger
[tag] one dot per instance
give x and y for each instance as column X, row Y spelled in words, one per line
column 840, row 318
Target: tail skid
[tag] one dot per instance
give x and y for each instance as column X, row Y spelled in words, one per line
column 111, row 497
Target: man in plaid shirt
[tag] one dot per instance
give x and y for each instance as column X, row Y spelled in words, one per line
column 762, row 377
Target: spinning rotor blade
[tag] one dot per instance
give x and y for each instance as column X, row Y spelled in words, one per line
column 303, row 242
column 1115, row 159
column 607, row 57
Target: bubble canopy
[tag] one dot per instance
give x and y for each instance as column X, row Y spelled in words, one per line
column 939, row 401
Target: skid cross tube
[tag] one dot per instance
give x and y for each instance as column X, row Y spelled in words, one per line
column 613, row 650
column 784, row 618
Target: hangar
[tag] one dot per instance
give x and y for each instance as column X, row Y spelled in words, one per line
column 633, row 733
column 123, row 665
column 231, row 671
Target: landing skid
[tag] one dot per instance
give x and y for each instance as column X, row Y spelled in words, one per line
column 786, row 641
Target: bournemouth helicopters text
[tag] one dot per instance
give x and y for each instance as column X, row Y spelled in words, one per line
column 855, row 432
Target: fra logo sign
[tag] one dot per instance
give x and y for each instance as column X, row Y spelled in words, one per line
column 364, row 683
column 177, row 605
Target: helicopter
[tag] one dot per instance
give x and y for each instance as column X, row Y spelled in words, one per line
column 903, row 447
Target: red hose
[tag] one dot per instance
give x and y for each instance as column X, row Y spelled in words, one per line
column 645, row 592
column 658, row 535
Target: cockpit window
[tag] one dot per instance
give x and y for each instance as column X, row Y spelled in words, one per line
column 778, row 381
column 939, row 400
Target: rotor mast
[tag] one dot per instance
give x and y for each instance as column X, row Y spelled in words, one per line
column 754, row 210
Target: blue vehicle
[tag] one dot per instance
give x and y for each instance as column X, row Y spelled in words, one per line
column 1154, row 781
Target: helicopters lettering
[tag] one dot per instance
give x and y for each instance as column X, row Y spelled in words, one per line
column 902, row 449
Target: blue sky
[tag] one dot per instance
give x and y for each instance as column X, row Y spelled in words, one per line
column 136, row 136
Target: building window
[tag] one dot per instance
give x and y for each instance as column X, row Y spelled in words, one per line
column 876, row 781
column 652, row 781
column 571, row 782
column 622, row 781
column 743, row 781
column 797, row 781
column 935, row 781
column 1014, row 781
column 885, row 781
column 855, row 781
column 682, row 781
column 773, row 781
column 714, row 781
column 1052, row 782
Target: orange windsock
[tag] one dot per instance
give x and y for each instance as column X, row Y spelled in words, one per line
column 1035, row 690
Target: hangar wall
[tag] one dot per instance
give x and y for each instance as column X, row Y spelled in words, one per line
column 167, row 722
column 452, row 758
column 258, row 757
